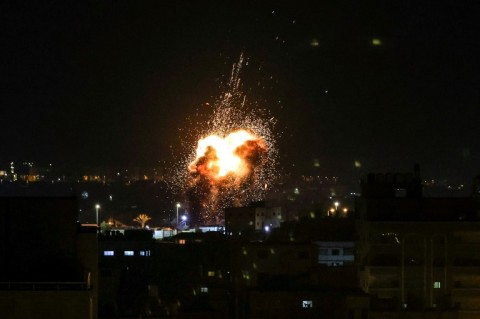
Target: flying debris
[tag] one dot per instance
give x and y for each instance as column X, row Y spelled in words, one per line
column 235, row 157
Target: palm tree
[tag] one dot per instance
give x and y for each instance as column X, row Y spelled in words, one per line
column 142, row 219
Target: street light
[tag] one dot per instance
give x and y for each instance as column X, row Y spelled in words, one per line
column 178, row 206
column 184, row 219
column 97, row 207
column 336, row 206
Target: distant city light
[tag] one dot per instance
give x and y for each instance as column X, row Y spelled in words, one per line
column 314, row 42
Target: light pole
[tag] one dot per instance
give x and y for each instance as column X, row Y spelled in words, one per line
column 96, row 208
column 178, row 206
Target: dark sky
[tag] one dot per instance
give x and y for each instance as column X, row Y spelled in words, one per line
column 110, row 82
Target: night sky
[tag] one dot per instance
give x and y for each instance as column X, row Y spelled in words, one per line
column 385, row 83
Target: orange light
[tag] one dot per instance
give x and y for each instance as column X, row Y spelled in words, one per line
column 218, row 157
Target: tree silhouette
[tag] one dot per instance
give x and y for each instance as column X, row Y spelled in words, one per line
column 142, row 219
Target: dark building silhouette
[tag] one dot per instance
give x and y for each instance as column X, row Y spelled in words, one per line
column 48, row 265
column 418, row 257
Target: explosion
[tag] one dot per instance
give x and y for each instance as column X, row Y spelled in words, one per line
column 234, row 161
column 235, row 156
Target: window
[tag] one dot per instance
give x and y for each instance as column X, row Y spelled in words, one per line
column 204, row 289
column 437, row 285
column 307, row 304
column 335, row 252
column 128, row 253
column 181, row 241
column 145, row 253
column 211, row 273
column 108, row 253
column 323, row 251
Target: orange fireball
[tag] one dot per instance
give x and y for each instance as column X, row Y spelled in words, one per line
column 218, row 157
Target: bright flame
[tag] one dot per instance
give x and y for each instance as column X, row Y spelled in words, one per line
column 234, row 160
column 217, row 157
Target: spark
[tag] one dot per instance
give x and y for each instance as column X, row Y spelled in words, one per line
column 231, row 158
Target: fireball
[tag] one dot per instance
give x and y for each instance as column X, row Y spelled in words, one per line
column 233, row 161
column 233, row 156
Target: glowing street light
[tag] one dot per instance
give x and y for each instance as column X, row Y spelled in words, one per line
column 184, row 219
column 178, row 206
column 96, row 208
column 336, row 205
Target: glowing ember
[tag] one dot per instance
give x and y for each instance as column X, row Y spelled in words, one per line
column 234, row 159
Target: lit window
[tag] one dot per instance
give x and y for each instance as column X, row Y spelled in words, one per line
column 307, row 304
column 204, row 289
column 181, row 241
column 437, row 285
column 145, row 253
column 108, row 253
column 128, row 253
column 211, row 273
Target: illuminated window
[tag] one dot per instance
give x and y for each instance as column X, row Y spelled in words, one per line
column 307, row 304
column 204, row 289
column 128, row 253
column 181, row 241
column 211, row 273
column 145, row 253
column 437, row 285
column 108, row 253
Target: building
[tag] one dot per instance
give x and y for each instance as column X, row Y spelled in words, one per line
column 254, row 218
column 48, row 263
column 418, row 256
